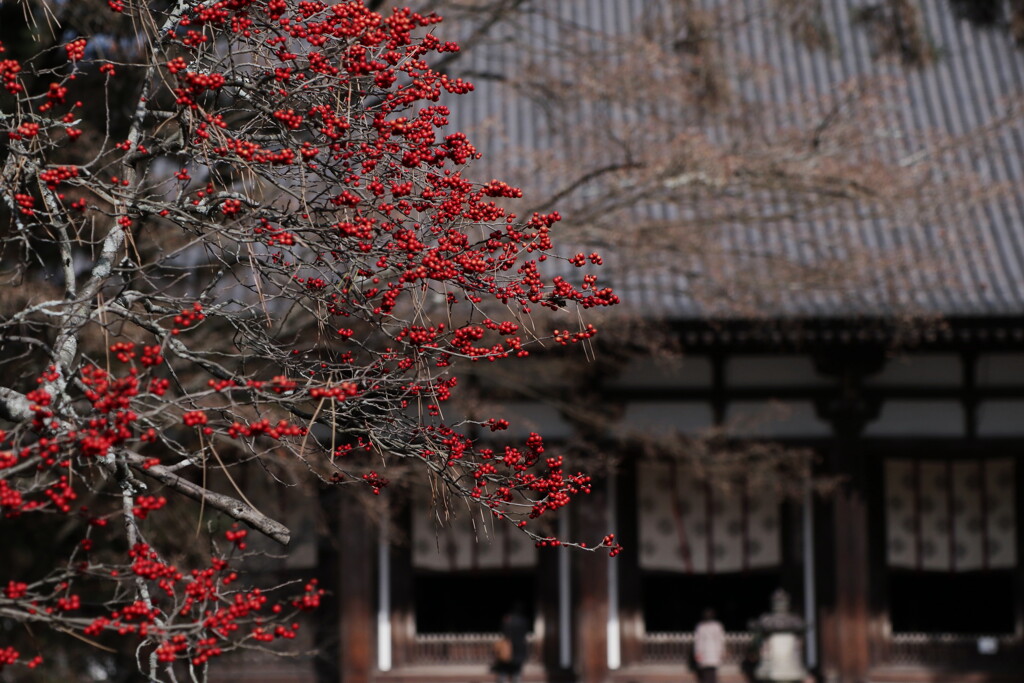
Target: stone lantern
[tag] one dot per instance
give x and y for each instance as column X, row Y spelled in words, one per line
column 780, row 635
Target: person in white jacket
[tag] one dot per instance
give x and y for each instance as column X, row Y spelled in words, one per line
column 708, row 647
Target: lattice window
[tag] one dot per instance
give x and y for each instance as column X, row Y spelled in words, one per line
column 952, row 515
column 688, row 525
column 471, row 540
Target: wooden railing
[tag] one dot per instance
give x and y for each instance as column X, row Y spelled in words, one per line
column 953, row 650
column 457, row 648
column 901, row 649
column 676, row 647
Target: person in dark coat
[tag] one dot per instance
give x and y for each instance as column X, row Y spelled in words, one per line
column 514, row 628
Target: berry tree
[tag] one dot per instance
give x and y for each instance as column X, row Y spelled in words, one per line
column 236, row 236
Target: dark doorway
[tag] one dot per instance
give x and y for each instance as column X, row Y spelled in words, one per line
column 470, row 602
column 673, row 602
column 945, row 602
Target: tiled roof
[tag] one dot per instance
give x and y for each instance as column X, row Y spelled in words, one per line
column 718, row 239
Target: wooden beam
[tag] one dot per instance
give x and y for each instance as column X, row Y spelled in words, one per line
column 356, row 590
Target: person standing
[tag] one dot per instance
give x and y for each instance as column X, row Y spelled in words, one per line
column 708, row 647
column 514, row 628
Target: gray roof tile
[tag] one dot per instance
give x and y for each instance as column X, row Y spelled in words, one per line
column 795, row 258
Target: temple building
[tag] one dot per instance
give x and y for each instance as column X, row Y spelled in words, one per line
column 907, row 570
column 825, row 233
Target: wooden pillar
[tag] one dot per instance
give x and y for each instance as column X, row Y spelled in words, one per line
column 356, row 587
column 591, row 571
column 846, row 622
column 631, row 614
column 403, row 609
column 327, row 619
column 547, row 603
column 551, row 565
column 846, row 616
column 1019, row 570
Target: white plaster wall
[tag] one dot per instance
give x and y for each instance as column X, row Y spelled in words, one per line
column 526, row 417
column 1001, row 418
column 918, row 418
column 688, row 372
column 771, row 371
column 774, row 420
column 1000, row 369
column 929, row 370
column 688, row 417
